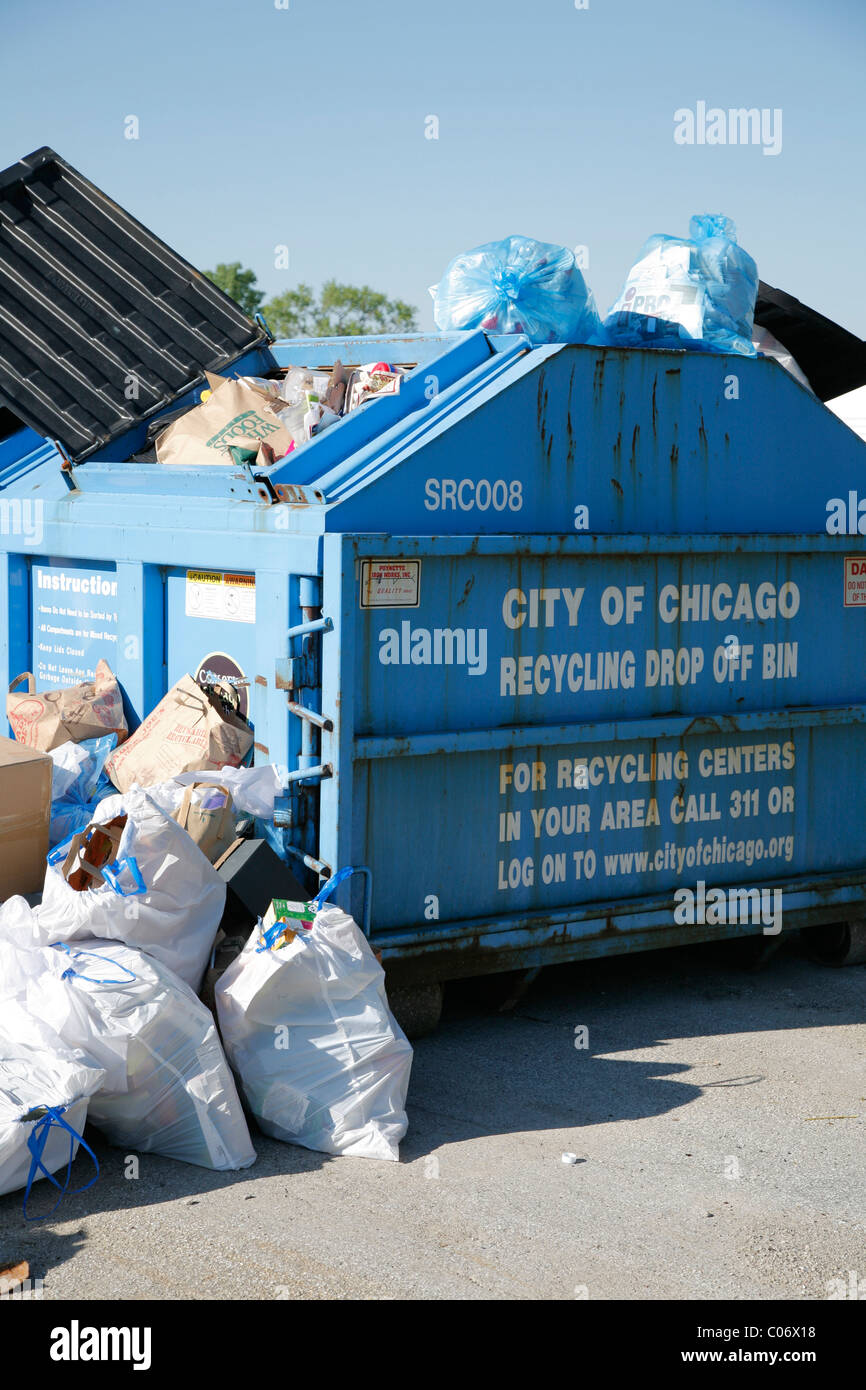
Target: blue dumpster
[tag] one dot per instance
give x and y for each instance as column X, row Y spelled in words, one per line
column 566, row 644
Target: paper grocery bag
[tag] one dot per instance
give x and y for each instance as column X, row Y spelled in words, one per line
column 235, row 414
column 209, row 818
column 52, row 717
column 187, row 732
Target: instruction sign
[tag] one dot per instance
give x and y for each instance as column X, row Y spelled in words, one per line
column 222, row 595
column 75, row 622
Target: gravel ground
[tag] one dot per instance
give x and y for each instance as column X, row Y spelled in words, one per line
column 717, row 1116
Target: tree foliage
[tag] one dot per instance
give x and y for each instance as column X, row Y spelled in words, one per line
column 338, row 310
column 239, row 283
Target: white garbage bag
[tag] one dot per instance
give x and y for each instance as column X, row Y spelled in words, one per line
column 44, row 1095
column 253, row 789
column 769, row 346
column 167, row 1087
column 322, row 1061
column 19, row 929
column 167, row 900
column 70, row 762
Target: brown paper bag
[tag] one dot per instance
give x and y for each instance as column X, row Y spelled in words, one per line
column 187, row 732
column 213, row 829
column 235, row 414
column 90, row 710
column 90, row 851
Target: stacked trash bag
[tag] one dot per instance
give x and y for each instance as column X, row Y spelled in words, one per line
column 101, row 1023
column 696, row 293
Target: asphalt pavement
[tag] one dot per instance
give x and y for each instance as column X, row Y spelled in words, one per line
column 716, row 1115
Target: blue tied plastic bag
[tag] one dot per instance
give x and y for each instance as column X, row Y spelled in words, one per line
column 79, row 784
column 698, row 293
column 517, row 286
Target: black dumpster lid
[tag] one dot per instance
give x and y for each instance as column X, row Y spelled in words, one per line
column 94, row 308
column 833, row 359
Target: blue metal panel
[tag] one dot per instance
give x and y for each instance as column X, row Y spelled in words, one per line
column 644, row 441
column 22, row 452
column 16, row 647
column 677, row 744
column 539, row 637
column 193, row 632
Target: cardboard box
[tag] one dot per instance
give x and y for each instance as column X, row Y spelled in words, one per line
column 296, row 916
column 25, row 814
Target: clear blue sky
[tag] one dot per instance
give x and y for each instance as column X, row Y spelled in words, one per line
column 305, row 126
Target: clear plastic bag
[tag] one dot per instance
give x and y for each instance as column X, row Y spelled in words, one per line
column 78, row 785
column 698, row 293
column 517, row 286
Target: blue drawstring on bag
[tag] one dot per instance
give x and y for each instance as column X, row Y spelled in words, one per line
column 70, row 973
column 274, row 932
column 333, row 883
column 111, row 873
column 52, row 1117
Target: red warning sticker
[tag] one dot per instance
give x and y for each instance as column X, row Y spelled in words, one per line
column 855, row 581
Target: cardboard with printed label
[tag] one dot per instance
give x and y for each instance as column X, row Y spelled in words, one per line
column 234, row 415
column 187, row 732
column 296, row 915
column 46, row 719
column 25, row 814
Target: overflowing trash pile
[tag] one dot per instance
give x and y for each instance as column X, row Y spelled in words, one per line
column 260, row 420
column 113, row 925
column 696, row 293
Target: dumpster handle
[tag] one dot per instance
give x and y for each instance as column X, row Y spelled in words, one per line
column 314, row 625
column 317, row 865
column 305, row 773
column 320, row 720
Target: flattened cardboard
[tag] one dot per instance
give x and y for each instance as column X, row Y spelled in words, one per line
column 25, row 814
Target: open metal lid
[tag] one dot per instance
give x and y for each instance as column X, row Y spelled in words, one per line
column 101, row 324
column 833, row 359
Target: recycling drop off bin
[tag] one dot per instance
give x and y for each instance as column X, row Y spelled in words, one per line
column 557, row 638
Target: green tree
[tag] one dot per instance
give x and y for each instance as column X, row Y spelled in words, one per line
column 340, row 311
column 293, row 313
column 239, row 283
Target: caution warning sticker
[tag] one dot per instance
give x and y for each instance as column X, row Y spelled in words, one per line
column 855, row 581
column 222, row 595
